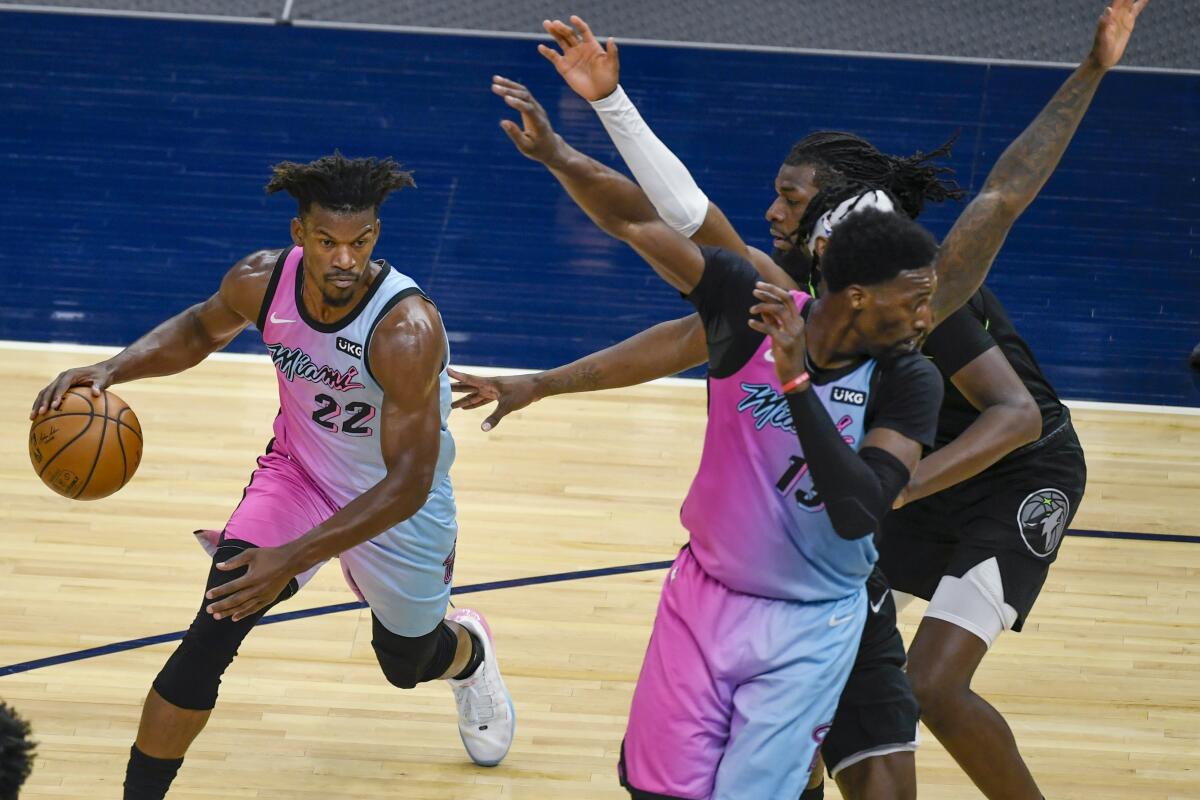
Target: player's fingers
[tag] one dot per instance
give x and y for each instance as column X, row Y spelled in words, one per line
column 473, row 402
column 221, row 594
column 222, row 608
column 611, row 48
column 515, row 133
column 765, row 326
column 465, row 379
column 240, row 560
column 583, row 27
column 246, row 609
column 503, row 89
column 1138, row 5
column 523, row 106
column 556, row 32
column 763, row 309
column 63, row 383
column 566, row 31
column 770, row 305
column 41, row 403
column 499, row 83
column 778, row 293
column 492, row 421
column 552, row 55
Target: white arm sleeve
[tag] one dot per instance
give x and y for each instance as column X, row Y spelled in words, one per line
column 659, row 172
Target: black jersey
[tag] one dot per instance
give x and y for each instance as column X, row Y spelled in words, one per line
column 965, row 335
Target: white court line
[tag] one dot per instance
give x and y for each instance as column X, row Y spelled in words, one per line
column 530, row 36
column 113, row 12
column 690, row 383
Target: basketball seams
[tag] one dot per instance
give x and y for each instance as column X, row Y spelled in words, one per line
column 91, row 413
column 99, row 445
column 128, row 471
column 124, row 460
column 116, row 420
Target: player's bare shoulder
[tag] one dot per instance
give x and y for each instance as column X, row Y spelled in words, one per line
column 245, row 284
column 409, row 343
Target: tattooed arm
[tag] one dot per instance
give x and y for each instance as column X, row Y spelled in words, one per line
column 666, row 349
column 967, row 253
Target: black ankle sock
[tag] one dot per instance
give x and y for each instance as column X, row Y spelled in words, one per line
column 815, row 793
column 474, row 661
column 148, row 778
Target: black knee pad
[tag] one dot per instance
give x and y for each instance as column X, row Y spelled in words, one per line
column 407, row 661
column 192, row 674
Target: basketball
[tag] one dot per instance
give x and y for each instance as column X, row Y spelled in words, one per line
column 87, row 448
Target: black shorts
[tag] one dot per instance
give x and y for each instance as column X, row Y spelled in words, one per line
column 1016, row 512
column 877, row 712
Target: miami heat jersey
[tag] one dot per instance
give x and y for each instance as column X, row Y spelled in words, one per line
column 329, row 402
column 757, row 523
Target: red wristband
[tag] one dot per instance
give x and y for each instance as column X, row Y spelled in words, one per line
column 798, row 382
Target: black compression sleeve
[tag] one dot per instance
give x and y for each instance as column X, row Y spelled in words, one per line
column 859, row 488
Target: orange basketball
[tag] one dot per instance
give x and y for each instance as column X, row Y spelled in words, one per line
column 89, row 447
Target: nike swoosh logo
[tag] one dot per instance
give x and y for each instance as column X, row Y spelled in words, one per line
column 834, row 621
column 280, row 320
column 876, row 606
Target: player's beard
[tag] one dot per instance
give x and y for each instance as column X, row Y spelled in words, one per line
column 796, row 262
column 338, row 301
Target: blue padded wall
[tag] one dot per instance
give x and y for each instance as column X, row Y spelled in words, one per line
column 135, row 152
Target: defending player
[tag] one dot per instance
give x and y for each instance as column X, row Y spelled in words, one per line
column 722, row 709
column 359, row 466
column 1004, row 415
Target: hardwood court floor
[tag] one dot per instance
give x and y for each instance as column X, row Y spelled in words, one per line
column 1103, row 688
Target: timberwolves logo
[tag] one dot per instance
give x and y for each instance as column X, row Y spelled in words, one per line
column 1042, row 519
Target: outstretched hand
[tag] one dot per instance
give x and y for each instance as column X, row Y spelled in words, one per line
column 590, row 70
column 511, row 393
column 535, row 137
column 781, row 321
column 1114, row 30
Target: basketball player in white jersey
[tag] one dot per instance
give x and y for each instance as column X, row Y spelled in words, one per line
column 359, row 466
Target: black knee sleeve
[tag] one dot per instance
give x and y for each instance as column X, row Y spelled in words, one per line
column 407, row 661
column 192, row 674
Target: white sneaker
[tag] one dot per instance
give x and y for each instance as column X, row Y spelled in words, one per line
column 486, row 718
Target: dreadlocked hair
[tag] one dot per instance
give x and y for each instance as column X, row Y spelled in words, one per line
column 340, row 184
column 837, row 155
column 16, row 753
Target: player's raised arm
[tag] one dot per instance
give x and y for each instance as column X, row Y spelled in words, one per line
column 408, row 350
column 966, row 254
column 666, row 349
column 613, row 202
column 593, row 72
column 179, row 343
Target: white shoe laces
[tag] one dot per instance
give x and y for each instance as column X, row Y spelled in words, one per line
column 475, row 702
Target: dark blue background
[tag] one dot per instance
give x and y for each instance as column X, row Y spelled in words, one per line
column 134, row 154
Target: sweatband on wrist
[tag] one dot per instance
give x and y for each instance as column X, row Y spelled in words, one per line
column 795, row 383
